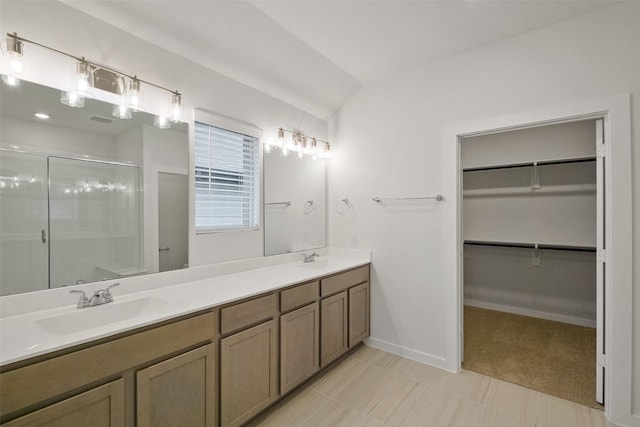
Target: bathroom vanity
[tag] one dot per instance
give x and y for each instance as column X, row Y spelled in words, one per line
column 219, row 351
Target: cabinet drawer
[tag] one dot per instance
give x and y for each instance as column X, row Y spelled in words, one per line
column 299, row 296
column 248, row 313
column 342, row 281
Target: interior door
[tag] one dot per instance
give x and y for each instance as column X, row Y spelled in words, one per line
column 24, row 228
column 173, row 220
column 601, row 164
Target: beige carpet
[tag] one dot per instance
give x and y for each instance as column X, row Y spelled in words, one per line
column 551, row 357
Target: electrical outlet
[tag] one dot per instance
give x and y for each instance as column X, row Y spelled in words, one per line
column 353, row 238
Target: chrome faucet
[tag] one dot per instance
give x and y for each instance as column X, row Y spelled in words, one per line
column 310, row 257
column 103, row 296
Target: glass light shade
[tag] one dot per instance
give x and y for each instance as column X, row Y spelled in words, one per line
column 161, row 122
column 280, row 139
column 12, row 61
column 176, row 108
column 135, row 96
column 81, row 80
column 267, row 147
column 121, row 112
column 72, row 99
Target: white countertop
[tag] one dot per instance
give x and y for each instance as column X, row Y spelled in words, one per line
column 30, row 334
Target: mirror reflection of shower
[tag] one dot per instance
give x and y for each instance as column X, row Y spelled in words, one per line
column 65, row 221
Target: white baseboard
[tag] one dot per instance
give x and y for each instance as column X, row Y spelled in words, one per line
column 590, row 323
column 409, row 353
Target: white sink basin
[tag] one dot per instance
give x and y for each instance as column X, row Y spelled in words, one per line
column 316, row 265
column 93, row 317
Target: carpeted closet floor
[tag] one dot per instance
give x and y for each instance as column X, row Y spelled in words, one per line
column 551, row 357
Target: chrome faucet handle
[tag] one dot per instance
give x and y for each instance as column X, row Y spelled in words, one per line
column 106, row 294
column 310, row 257
column 83, row 301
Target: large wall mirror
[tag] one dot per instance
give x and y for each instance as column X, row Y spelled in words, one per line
column 294, row 203
column 86, row 196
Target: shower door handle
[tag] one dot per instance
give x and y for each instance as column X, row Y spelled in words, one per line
column 44, row 236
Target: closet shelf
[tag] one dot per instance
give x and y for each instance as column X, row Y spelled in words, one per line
column 528, row 191
column 529, row 164
column 556, row 247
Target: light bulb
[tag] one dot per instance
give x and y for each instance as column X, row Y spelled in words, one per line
column 15, row 64
column 81, row 82
column 267, row 147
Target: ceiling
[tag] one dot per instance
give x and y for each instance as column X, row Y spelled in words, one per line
column 315, row 54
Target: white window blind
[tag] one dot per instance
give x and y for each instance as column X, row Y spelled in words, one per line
column 227, row 179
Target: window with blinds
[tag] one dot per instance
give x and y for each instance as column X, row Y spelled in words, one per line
column 227, row 187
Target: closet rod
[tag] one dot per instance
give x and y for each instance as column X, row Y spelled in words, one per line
column 531, row 246
column 540, row 163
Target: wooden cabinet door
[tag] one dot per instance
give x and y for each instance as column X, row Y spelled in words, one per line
column 333, row 327
column 99, row 407
column 299, row 346
column 248, row 373
column 179, row 391
column 358, row 313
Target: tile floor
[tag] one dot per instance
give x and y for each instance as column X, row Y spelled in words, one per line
column 374, row 388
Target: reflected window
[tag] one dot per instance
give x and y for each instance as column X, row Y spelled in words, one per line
column 227, row 179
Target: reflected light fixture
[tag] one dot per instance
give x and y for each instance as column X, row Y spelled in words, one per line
column 89, row 76
column 42, row 116
column 121, row 112
column 161, row 122
column 12, row 61
column 72, row 99
column 304, row 145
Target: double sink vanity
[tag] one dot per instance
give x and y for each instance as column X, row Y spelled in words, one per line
column 215, row 348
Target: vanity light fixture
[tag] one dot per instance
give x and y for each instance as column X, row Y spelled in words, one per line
column 12, row 61
column 299, row 143
column 87, row 77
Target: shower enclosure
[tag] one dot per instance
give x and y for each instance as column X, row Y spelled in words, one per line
column 66, row 221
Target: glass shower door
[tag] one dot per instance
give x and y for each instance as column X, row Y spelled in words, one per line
column 24, row 256
column 95, row 220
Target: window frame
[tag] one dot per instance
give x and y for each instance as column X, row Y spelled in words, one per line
column 232, row 125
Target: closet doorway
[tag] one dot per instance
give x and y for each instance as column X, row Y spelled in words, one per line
column 532, row 224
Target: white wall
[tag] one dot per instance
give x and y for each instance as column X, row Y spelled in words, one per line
column 389, row 142
column 65, row 28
